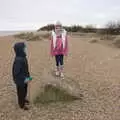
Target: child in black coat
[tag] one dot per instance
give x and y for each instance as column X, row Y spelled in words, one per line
column 21, row 74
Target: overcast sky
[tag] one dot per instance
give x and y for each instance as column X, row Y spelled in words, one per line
column 32, row 14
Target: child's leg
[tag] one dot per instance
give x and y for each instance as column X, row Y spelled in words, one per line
column 61, row 60
column 26, row 90
column 61, row 65
column 57, row 60
column 57, row 57
column 21, row 96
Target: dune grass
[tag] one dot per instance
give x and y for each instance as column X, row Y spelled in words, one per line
column 53, row 94
column 30, row 36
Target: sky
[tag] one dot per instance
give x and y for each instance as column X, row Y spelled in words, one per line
column 33, row 14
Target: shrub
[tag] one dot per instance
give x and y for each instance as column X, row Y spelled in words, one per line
column 28, row 36
column 93, row 41
column 53, row 93
column 117, row 42
column 45, row 36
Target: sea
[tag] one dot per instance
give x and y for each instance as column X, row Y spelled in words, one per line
column 6, row 33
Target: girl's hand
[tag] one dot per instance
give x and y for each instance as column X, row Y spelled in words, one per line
column 66, row 55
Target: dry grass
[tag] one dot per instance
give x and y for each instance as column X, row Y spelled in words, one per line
column 107, row 37
column 53, row 94
column 32, row 36
column 116, row 42
column 93, row 41
column 24, row 35
column 45, row 35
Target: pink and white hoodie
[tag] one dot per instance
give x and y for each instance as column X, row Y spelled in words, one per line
column 59, row 44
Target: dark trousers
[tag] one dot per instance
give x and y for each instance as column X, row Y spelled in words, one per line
column 59, row 60
column 22, row 94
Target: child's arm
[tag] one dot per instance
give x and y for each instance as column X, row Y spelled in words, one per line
column 51, row 45
column 27, row 68
column 66, row 46
column 16, row 70
column 28, row 78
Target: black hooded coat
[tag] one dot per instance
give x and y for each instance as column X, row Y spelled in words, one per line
column 20, row 69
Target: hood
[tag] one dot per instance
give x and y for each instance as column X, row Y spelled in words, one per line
column 19, row 49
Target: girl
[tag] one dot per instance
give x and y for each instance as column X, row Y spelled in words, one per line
column 59, row 47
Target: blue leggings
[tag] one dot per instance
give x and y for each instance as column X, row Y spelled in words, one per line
column 59, row 60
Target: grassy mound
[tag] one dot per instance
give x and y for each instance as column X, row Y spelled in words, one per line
column 93, row 41
column 28, row 36
column 44, row 35
column 25, row 35
column 117, row 42
column 52, row 94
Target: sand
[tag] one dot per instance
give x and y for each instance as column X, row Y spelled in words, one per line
column 91, row 68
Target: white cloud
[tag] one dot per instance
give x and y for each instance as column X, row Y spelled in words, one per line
column 101, row 15
column 31, row 14
column 114, row 8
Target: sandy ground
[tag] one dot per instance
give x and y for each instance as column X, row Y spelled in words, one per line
column 91, row 68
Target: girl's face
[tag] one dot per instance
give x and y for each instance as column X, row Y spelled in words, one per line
column 58, row 30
